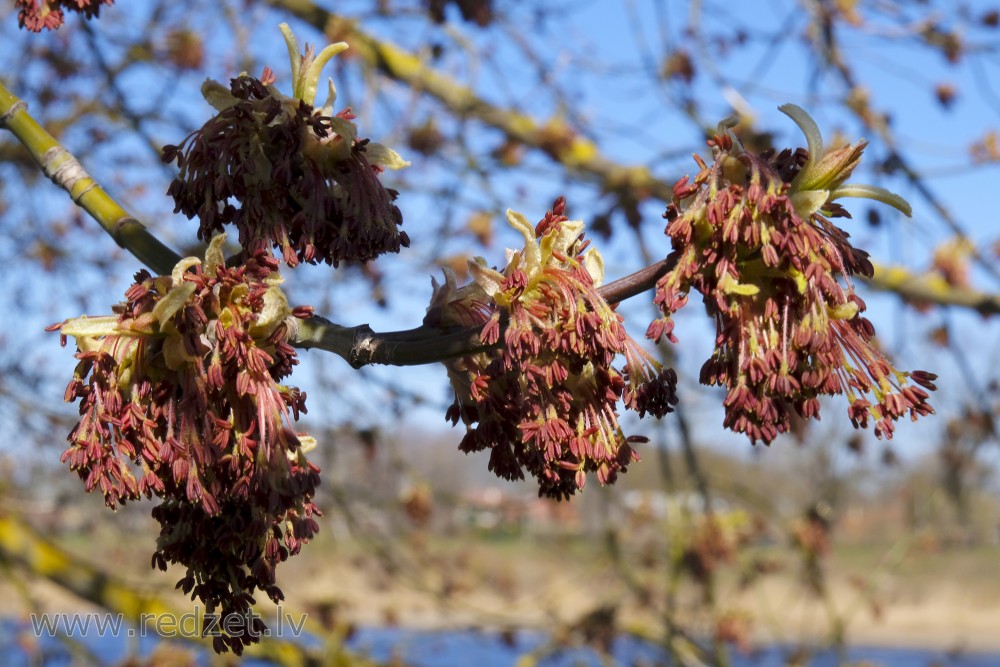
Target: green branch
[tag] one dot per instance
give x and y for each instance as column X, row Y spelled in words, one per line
column 66, row 171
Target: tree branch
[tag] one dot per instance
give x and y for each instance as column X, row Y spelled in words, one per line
column 361, row 346
column 66, row 172
column 932, row 289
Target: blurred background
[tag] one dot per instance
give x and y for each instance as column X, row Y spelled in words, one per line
column 709, row 551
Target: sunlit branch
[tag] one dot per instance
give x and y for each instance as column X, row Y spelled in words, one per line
column 360, row 345
column 932, row 289
column 66, row 171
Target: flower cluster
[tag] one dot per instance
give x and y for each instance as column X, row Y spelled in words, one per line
column 753, row 234
column 543, row 398
column 286, row 174
column 38, row 15
column 180, row 400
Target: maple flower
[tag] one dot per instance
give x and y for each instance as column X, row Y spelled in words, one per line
column 754, row 234
column 38, row 15
column 543, row 399
column 180, row 400
column 302, row 180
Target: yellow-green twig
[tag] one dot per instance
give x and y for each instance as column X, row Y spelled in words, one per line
column 67, row 172
column 932, row 289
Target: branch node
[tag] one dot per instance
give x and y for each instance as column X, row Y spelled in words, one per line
column 293, row 328
column 68, row 173
column 364, row 346
column 5, row 118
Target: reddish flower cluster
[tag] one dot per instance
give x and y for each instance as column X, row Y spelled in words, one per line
column 179, row 399
column 38, row 15
column 753, row 234
column 544, row 400
column 301, row 180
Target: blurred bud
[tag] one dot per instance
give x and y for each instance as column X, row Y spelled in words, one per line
column 185, row 49
column 509, row 153
column 426, row 139
column 417, row 502
column 986, row 149
column 946, row 94
column 951, row 260
column 678, row 65
column 480, row 224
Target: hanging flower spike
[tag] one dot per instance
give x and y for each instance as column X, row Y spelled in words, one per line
column 753, row 234
column 303, row 181
column 544, row 400
column 180, row 399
